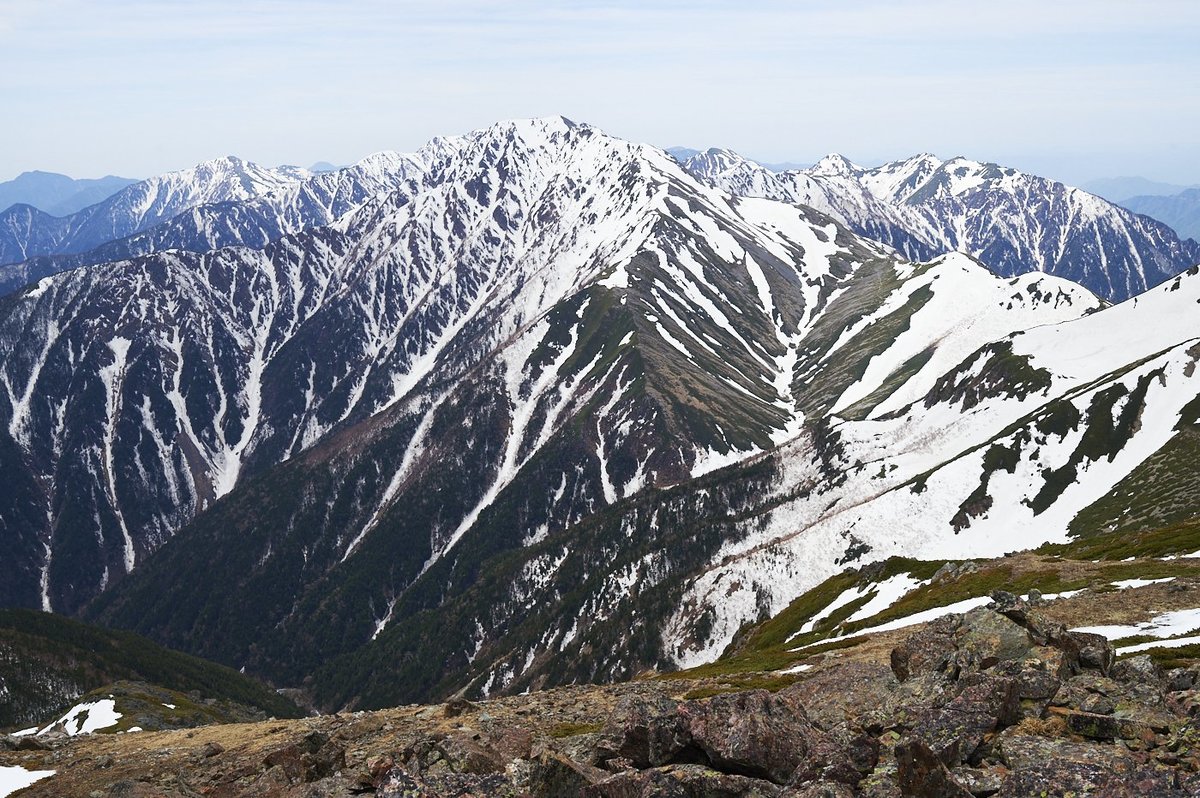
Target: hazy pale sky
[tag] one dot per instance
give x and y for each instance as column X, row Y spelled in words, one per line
column 1070, row 89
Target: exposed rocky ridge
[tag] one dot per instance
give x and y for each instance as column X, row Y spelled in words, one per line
column 1011, row 221
column 1000, row 701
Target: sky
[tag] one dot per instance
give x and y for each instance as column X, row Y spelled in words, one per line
column 1071, row 90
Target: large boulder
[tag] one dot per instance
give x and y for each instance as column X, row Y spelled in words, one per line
column 648, row 731
column 755, row 733
column 314, row 757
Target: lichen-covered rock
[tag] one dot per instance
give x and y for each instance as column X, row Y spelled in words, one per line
column 985, row 638
column 1104, row 727
column 834, row 698
column 451, row 753
column 928, row 650
column 955, row 730
column 821, row 789
column 649, row 731
column 755, row 733
column 553, row 774
column 920, row 772
column 1095, row 651
column 1139, row 670
column 1058, row 766
column 313, row 758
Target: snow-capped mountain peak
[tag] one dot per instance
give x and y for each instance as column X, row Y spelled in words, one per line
column 835, row 165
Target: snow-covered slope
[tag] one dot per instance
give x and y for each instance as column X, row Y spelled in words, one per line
column 1013, row 222
column 1005, row 452
column 26, row 232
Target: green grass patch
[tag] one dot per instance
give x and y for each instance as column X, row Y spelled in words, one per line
column 764, row 681
column 1180, row 538
column 1168, row 658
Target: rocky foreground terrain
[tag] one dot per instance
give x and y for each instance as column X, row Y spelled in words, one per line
column 1002, row 700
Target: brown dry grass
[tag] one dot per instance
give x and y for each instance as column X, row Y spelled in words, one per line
column 1053, row 726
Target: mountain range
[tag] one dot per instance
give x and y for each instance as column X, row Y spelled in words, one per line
column 1013, row 222
column 26, row 232
column 216, row 204
column 539, row 405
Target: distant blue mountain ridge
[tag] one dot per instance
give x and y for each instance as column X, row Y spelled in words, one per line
column 1119, row 189
column 1180, row 211
column 58, row 195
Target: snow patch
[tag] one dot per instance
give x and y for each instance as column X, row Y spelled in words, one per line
column 13, row 778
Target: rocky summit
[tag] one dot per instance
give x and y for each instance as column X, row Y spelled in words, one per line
column 999, row 701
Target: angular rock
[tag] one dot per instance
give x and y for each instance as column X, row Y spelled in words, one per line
column 981, row 781
column 955, row 731
column 836, row 761
column 833, row 697
column 1180, row 679
column 553, row 775
column 1103, row 727
column 986, row 638
column 754, row 733
column 459, row 706
column 1052, row 766
column 1067, row 779
column 396, row 783
column 1138, row 670
column 681, row 781
column 211, row 749
column 1038, row 676
column 1095, row 651
column 454, row 753
column 821, row 789
column 649, row 731
column 928, row 650
column 920, row 772
column 313, row 758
